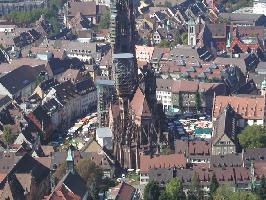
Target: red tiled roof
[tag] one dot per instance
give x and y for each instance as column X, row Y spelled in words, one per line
column 244, row 47
column 46, row 161
column 193, row 147
column 260, row 168
column 62, row 193
column 139, row 105
column 161, row 161
column 87, row 8
column 199, row 148
column 184, row 85
column 123, row 191
column 58, row 53
column 2, row 176
column 249, row 107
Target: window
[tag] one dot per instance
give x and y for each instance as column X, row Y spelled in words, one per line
column 191, row 29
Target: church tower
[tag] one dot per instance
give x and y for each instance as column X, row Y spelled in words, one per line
column 70, row 161
column 133, row 122
column 125, row 75
column 191, row 33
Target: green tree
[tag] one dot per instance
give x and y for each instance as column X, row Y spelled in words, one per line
column 55, row 26
column 225, row 192
column 8, row 137
column 213, row 186
column 105, row 20
column 243, row 195
column 93, row 189
column 261, row 191
column 174, row 190
column 164, row 43
column 198, row 101
column 151, row 191
column 177, row 38
column 56, row 4
column 253, row 137
column 184, row 38
column 163, row 196
column 89, row 171
column 195, row 192
column 60, row 172
column 166, row 150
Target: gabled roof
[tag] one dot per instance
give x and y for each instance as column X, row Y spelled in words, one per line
column 106, row 60
column 20, row 78
column 161, row 175
column 17, row 63
column 24, row 180
column 228, row 160
column 224, row 125
column 99, row 159
column 28, row 164
column 93, row 146
column 247, row 106
column 74, row 75
column 241, row 17
column 71, row 186
column 255, row 154
column 260, row 168
column 57, row 66
column 140, row 105
column 26, row 167
column 64, row 91
column 164, row 33
column 13, row 189
column 47, row 150
column 75, row 183
column 217, row 30
column 47, row 84
column 232, row 175
column 123, row 191
column 39, row 120
column 193, row 147
column 62, row 193
column 87, row 8
column 148, row 162
column 7, row 161
column 79, row 22
column 185, row 86
column 85, row 86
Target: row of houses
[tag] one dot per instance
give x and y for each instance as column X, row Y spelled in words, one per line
column 50, row 97
column 188, row 95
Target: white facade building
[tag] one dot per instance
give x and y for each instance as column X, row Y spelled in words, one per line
column 104, row 137
column 7, row 28
column 259, row 7
column 165, row 97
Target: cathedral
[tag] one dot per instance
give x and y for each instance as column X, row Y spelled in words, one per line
column 133, row 118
